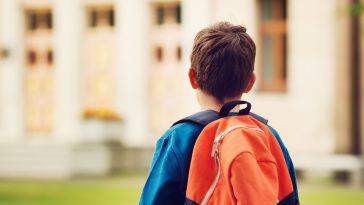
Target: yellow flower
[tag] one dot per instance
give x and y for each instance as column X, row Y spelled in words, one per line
column 101, row 113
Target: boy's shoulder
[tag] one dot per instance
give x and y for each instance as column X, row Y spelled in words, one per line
column 190, row 125
column 180, row 139
column 181, row 134
column 182, row 131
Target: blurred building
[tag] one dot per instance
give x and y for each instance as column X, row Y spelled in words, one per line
column 65, row 63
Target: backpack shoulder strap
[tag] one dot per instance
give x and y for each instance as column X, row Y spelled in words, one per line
column 259, row 118
column 205, row 117
column 201, row 118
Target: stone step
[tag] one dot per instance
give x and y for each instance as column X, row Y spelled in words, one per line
column 331, row 164
column 66, row 161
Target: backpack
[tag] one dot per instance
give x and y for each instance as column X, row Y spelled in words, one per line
column 237, row 160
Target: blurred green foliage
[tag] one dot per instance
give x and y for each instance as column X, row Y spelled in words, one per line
column 356, row 9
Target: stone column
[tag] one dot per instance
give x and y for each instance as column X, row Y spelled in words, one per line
column 11, row 71
column 132, row 20
column 68, row 27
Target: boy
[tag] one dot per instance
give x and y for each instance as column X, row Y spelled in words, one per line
column 222, row 64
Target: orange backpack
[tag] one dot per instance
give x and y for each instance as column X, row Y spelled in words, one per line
column 237, row 160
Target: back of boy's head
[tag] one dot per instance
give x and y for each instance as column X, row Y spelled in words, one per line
column 223, row 58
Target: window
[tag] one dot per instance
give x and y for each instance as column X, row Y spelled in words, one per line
column 160, row 15
column 179, row 53
column 99, row 68
column 101, row 17
column 39, row 90
column 166, row 54
column 168, row 14
column 159, row 54
column 39, row 19
column 36, row 57
column 38, row 75
column 273, row 36
column 3, row 53
column 50, row 57
column 32, row 57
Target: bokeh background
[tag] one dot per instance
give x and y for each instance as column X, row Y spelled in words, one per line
column 88, row 86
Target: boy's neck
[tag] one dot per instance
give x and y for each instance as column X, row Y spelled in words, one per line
column 208, row 102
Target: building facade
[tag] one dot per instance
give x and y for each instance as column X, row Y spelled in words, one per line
column 61, row 59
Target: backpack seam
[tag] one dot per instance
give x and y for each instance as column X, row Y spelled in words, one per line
column 251, row 154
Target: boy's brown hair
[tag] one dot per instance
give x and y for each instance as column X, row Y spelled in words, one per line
column 223, row 58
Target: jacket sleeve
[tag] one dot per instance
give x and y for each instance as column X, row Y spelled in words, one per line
column 163, row 183
column 248, row 182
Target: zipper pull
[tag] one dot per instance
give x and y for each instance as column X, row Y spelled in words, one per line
column 215, row 147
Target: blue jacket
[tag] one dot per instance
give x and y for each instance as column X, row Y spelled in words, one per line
column 168, row 175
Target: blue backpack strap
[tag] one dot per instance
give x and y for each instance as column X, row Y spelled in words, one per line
column 201, row 118
column 259, row 118
column 205, row 117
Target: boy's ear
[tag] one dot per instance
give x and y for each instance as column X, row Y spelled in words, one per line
column 192, row 77
column 250, row 84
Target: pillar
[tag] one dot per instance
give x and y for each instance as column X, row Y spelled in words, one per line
column 68, row 27
column 132, row 18
column 12, row 69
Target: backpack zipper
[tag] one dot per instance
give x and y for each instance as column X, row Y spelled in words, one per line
column 220, row 137
column 214, row 154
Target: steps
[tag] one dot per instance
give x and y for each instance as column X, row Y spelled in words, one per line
column 66, row 161
column 35, row 161
column 331, row 164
